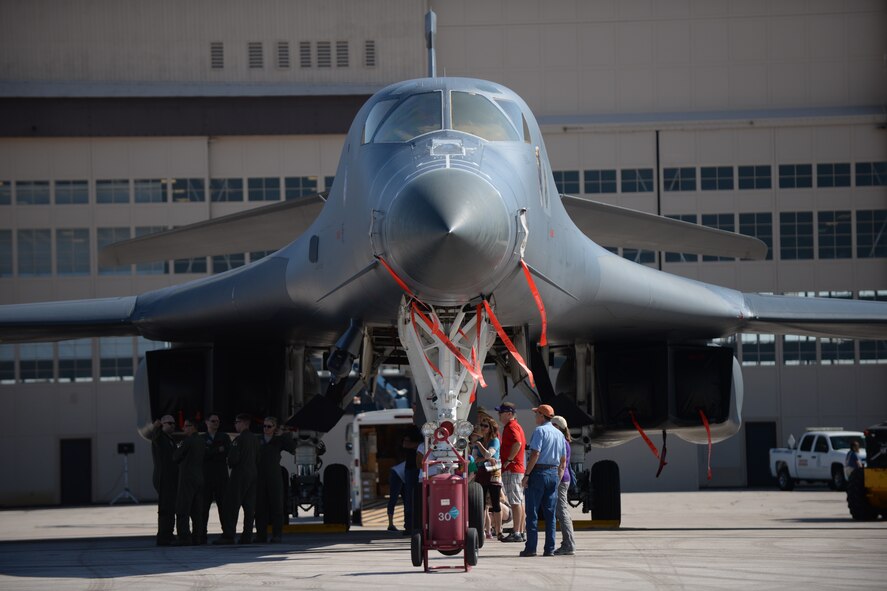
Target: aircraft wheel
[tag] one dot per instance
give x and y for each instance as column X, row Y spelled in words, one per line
column 416, row 549
column 859, row 506
column 337, row 495
column 606, row 502
column 784, row 480
column 476, row 510
column 471, row 538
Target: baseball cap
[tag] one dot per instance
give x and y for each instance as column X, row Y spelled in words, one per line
column 559, row 422
column 544, row 410
column 505, row 407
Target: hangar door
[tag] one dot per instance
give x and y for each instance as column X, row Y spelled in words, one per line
column 759, row 438
column 75, row 456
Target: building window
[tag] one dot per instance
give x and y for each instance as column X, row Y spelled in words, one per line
column 255, row 54
column 328, row 182
column 759, row 225
column 72, row 251
column 836, row 351
column 112, row 191
column 716, row 178
column 264, row 189
column 755, row 177
column 226, row 190
column 300, row 186
column 305, row 54
column 639, row 256
column 341, row 54
column 682, row 257
column 226, row 262
column 567, row 181
column 871, row 233
column 873, row 352
column 32, row 192
column 259, row 254
column 637, row 180
column 35, row 362
column 195, row 265
column 283, row 55
column 679, row 179
column 149, row 191
column 71, row 192
column 188, row 190
column 833, row 175
column 5, row 193
column 369, row 53
column 869, row 174
column 795, row 235
column 720, row 221
column 34, row 253
column 75, row 361
column 7, row 364
column 798, row 350
column 106, row 237
column 795, row 176
column 324, row 54
column 216, row 55
column 600, row 181
column 758, row 349
column 5, row 253
column 115, row 359
column 835, row 239
column 155, row 268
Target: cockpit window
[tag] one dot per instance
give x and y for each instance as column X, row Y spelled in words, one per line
column 418, row 114
column 377, row 113
column 477, row 115
column 514, row 113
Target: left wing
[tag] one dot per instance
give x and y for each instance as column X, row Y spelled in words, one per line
column 820, row 317
column 611, row 225
column 58, row 321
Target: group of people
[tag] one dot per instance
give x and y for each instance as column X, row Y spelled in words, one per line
column 529, row 483
column 209, row 467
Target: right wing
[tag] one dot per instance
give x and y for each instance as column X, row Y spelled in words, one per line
column 612, row 225
column 57, row 321
column 821, row 317
column 264, row 228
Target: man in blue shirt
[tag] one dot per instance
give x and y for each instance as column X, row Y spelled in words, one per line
column 545, row 469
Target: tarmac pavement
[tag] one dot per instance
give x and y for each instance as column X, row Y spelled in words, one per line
column 736, row 539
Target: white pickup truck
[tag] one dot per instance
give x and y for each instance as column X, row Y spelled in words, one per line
column 818, row 458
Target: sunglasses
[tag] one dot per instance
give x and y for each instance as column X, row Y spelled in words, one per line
column 485, row 426
column 268, row 426
column 168, row 423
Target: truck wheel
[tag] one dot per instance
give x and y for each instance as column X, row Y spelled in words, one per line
column 859, row 506
column 784, row 479
column 337, row 495
column 606, row 503
column 471, row 538
column 416, row 549
column 476, row 510
column 838, row 482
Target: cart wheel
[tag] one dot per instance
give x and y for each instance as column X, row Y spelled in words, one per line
column 476, row 510
column 416, row 549
column 471, row 538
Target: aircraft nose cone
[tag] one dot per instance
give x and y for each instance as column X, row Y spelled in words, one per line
column 448, row 230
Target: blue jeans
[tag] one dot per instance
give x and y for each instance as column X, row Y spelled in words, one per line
column 541, row 492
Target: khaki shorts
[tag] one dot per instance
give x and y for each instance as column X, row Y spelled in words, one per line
column 511, row 484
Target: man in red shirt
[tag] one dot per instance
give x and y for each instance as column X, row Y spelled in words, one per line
column 512, row 455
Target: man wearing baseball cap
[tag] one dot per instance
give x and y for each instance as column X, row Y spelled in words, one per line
column 545, row 469
column 512, row 455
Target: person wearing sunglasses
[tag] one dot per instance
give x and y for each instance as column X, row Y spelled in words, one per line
column 241, row 492
column 165, row 477
column 269, row 486
column 489, row 473
column 189, row 496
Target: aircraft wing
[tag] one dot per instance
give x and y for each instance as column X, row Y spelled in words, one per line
column 58, row 321
column 821, row 317
column 611, row 225
column 264, row 228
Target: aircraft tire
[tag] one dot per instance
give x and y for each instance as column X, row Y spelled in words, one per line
column 416, row 549
column 606, row 502
column 471, row 540
column 476, row 510
column 859, row 506
column 337, row 495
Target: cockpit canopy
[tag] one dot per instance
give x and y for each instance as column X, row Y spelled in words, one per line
column 402, row 119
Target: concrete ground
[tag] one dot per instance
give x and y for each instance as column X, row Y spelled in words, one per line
column 698, row 540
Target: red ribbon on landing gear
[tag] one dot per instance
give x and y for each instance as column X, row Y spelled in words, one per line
column 543, row 340
column 707, row 432
column 508, row 344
